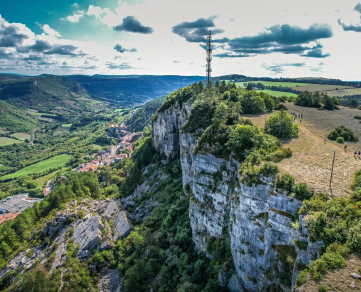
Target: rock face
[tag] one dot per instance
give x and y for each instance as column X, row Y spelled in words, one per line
column 122, row 226
column 87, row 234
column 110, row 281
column 259, row 217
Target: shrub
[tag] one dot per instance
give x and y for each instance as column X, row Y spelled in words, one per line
column 354, row 238
column 340, row 140
column 302, row 277
column 300, row 244
column 81, row 214
column 285, row 182
column 268, row 169
column 302, row 191
column 331, row 260
column 343, row 132
column 357, row 117
column 322, row 288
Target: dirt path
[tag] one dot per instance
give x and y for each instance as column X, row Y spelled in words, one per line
column 311, row 161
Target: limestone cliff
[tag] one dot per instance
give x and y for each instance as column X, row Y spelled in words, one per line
column 258, row 219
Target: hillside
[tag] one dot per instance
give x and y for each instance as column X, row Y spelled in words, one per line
column 143, row 116
column 44, row 93
column 212, row 199
column 14, row 120
column 132, row 90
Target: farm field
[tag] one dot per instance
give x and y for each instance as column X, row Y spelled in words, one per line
column 343, row 92
column 311, row 161
column 66, row 125
column 52, row 162
column 8, row 141
column 272, row 83
column 323, row 87
column 36, row 113
column 278, row 93
column 21, row 136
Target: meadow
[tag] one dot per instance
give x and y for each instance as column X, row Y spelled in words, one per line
column 278, row 93
column 21, row 136
column 272, row 83
column 52, row 162
column 7, row 141
column 42, row 180
column 311, row 160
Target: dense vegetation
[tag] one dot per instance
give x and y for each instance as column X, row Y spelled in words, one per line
column 143, row 116
column 343, row 132
column 13, row 120
column 316, row 99
column 281, row 125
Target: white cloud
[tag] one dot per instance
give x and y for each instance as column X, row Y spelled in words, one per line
column 75, row 17
column 48, row 30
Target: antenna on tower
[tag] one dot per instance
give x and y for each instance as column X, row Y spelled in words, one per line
column 209, row 58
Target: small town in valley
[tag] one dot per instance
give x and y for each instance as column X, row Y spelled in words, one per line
column 113, row 153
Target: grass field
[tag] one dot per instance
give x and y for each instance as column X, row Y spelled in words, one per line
column 311, row 161
column 66, row 125
column 44, row 179
column 21, row 136
column 7, row 141
column 322, row 87
column 99, row 146
column 278, row 93
column 342, row 92
column 271, row 83
column 55, row 161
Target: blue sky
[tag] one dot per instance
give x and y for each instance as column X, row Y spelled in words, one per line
column 278, row 38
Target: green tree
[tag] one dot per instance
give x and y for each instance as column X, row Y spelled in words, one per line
column 281, row 125
column 252, row 103
column 249, row 87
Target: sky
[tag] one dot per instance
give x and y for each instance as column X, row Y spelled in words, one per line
column 261, row 38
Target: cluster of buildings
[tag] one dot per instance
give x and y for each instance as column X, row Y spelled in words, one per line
column 109, row 156
column 12, row 206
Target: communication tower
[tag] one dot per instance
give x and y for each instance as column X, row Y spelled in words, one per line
column 209, row 57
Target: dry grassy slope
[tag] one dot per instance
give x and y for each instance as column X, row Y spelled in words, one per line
column 312, row 160
column 336, row 280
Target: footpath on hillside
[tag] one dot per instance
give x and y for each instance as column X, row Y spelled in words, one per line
column 311, row 161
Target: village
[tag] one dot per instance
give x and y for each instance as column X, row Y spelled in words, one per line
column 112, row 154
column 12, row 206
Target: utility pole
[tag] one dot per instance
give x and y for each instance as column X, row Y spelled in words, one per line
column 333, row 163
column 209, row 58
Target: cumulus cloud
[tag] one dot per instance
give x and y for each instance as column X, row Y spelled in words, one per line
column 13, row 34
column 74, row 17
column 196, row 31
column 48, row 30
column 121, row 49
column 352, row 27
column 285, row 39
column 131, row 24
column 283, row 35
column 358, row 8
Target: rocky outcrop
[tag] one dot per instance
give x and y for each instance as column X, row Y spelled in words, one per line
column 92, row 232
column 122, row 226
column 258, row 219
column 110, row 281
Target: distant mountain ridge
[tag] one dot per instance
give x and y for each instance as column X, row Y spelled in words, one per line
column 43, row 93
column 132, row 90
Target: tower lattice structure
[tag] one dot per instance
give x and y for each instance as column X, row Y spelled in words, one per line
column 209, row 57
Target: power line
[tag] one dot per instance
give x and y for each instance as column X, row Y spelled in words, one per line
column 209, row 57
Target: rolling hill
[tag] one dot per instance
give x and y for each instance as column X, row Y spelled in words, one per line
column 132, row 90
column 43, row 93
